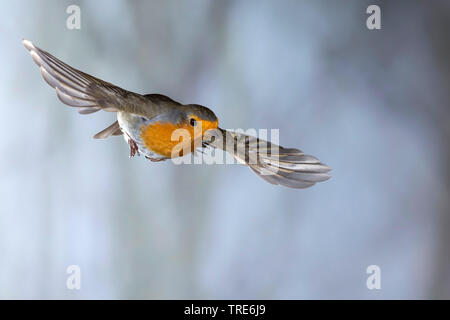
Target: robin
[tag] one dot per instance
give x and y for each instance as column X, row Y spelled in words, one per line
column 148, row 123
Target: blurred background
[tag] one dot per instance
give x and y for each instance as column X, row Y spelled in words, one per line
column 372, row 104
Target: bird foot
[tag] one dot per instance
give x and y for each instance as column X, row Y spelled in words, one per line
column 134, row 149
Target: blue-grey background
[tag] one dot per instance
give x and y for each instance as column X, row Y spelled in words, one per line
column 373, row 105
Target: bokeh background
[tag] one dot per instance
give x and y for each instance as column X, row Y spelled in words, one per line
column 373, row 105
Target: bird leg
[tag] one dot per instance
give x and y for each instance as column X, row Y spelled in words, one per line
column 134, row 149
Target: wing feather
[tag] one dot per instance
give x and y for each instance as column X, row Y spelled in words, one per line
column 81, row 90
column 277, row 165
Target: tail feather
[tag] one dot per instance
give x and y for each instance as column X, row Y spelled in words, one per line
column 112, row 130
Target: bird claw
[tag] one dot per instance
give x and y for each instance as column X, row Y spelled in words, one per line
column 134, row 149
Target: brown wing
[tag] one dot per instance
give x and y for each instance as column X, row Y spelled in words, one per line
column 78, row 89
column 277, row 165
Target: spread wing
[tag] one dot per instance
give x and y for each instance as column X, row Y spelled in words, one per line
column 83, row 91
column 275, row 164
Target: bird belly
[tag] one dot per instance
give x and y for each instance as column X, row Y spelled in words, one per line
column 131, row 127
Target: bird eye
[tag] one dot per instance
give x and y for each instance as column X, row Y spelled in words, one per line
column 143, row 119
column 193, row 122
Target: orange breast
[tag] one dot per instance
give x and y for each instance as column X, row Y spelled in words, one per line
column 158, row 138
column 175, row 140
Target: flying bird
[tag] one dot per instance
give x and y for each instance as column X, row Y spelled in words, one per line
column 148, row 123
